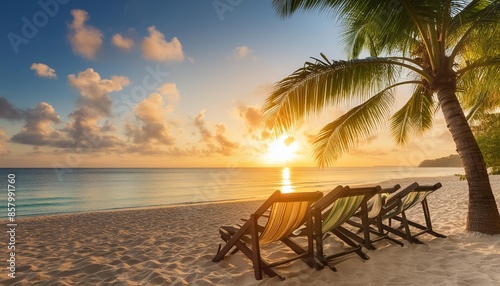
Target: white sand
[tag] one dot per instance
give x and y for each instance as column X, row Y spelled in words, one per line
column 175, row 245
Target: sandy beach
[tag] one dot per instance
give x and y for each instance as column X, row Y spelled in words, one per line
column 175, row 245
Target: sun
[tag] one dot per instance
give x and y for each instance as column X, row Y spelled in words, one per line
column 282, row 150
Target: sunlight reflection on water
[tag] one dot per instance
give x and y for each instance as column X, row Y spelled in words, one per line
column 286, row 185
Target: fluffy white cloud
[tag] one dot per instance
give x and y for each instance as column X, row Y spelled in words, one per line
column 93, row 105
column 43, row 70
column 215, row 142
column 123, row 43
column 156, row 48
column 251, row 115
column 170, row 91
column 91, row 86
column 39, row 130
column 254, row 121
column 153, row 127
column 242, row 52
column 85, row 40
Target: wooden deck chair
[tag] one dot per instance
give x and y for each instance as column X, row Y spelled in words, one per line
column 399, row 202
column 374, row 207
column 332, row 211
column 288, row 211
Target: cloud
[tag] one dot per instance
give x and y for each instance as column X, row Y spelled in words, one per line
column 226, row 146
column 43, row 70
column 252, row 117
column 254, row 121
column 94, row 91
column 170, row 91
column 156, row 48
column 85, row 40
column 242, row 52
column 94, row 104
column 123, row 43
column 108, row 127
column 153, row 127
column 199, row 123
column 3, row 141
column 39, row 130
column 217, row 142
column 8, row 111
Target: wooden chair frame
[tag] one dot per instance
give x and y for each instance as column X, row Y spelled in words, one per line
column 322, row 208
column 239, row 237
column 396, row 202
column 367, row 241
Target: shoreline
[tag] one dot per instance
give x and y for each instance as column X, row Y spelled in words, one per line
column 187, row 204
column 174, row 205
column 174, row 245
column 43, row 193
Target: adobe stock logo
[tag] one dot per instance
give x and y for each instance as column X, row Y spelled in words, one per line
column 30, row 27
column 223, row 6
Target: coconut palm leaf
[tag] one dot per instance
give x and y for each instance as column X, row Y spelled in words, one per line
column 480, row 64
column 480, row 99
column 473, row 28
column 414, row 117
column 395, row 24
column 322, row 83
column 354, row 126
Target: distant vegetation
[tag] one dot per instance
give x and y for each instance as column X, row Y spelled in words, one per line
column 487, row 134
column 450, row 161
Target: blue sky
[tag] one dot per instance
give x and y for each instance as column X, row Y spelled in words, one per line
column 227, row 57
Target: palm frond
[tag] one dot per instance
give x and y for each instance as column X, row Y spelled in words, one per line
column 348, row 130
column 481, row 98
column 319, row 84
column 478, row 109
column 389, row 26
column 414, row 117
column 474, row 27
column 481, row 63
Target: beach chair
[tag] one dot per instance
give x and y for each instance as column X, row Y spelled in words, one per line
column 396, row 205
column 288, row 211
column 374, row 207
column 333, row 210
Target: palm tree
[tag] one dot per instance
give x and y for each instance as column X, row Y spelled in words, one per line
column 448, row 52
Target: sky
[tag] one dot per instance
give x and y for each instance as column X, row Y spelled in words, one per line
column 175, row 83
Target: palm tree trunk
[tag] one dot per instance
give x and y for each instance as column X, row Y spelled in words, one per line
column 483, row 213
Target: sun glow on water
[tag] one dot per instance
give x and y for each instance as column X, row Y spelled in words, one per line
column 286, row 185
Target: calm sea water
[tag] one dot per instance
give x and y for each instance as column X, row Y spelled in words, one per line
column 49, row 191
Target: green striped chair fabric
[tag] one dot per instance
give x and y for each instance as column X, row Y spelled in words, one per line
column 407, row 202
column 342, row 209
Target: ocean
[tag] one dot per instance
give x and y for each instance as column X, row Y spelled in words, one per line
column 58, row 191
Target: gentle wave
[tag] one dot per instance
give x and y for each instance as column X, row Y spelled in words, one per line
column 48, row 191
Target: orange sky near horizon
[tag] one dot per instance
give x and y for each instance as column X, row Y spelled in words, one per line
column 120, row 84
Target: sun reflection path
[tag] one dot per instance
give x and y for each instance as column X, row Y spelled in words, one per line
column 286, row 185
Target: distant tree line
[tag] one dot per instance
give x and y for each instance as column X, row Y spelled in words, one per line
column 450, row 161
column 487, row 133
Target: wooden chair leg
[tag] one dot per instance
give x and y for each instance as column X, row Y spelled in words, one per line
column 257, row 265
column 366, row 228
column 231, row 242
column 354, row 247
